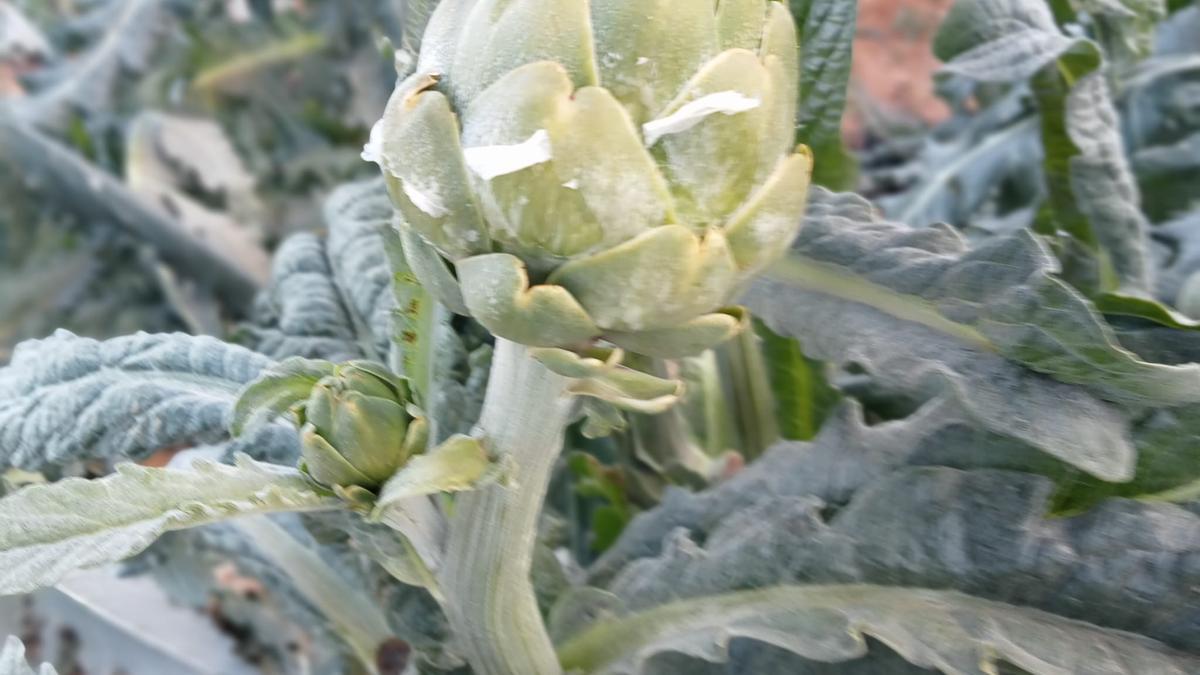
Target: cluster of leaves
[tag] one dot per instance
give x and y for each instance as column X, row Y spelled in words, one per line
column 1072, row 123
column 1009, row 382
column 988, row 401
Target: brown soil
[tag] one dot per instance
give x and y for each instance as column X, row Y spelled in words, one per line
column 893, row 63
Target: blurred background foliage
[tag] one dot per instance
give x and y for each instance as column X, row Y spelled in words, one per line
column 231, row 119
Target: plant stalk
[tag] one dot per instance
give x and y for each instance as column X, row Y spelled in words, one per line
column 485, row 577
column 354, row 617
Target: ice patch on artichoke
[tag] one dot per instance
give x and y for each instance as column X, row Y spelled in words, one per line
column 428, row 202
column 691, row 114
column 373, row 150
column 491, row 161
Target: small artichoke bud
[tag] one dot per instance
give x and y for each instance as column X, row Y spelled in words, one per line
column 358, row 429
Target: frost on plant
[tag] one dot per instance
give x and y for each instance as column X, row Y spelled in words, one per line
column 560, row 364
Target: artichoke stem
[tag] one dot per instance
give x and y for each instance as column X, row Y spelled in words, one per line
column 489, row 595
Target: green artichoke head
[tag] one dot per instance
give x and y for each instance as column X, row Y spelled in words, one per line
column 357, row 427
column 567, row 170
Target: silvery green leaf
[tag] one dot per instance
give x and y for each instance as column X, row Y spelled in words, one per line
column 991, row 326
column 47, row 531
column 1158, row 103
column 846, row 455
column 67, row 397
column 405, row 504
column 302, row 312
column 353, row 548
column 12, row 660
column 1012, row 57
column 356, row 214
column 984, row 534
column 1093, row 198
column 457, row 464
column 959, row 166
column 1006, row 298
column 988, row 533
column 953, row 633
column 1168, row 463
column 331, row 298
column 273, row 443
column 1175, row 35
column 1182, row 237
column 393, row 552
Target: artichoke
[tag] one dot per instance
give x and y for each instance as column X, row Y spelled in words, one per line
column 573, row 170
column 357, row 428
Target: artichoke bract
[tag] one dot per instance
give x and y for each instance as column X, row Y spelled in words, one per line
column 357, row 429
column 567, row 170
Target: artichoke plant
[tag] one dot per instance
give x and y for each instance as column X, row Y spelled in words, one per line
column 357, row 429
column 572, row 170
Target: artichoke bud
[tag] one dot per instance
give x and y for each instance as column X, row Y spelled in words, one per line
column 358, row 428
column 573, row 170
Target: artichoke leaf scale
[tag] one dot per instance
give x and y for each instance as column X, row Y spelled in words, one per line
column 740, row 23
column 422, row 160
column 582, row 180
column 648, row 49
column 712, row 164
column 499, row 36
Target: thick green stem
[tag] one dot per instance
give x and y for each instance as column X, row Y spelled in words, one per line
column 485, row 577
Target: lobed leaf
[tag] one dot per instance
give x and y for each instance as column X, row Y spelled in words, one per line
column 331, row 298
column 302, row 312
column 356, row 215
column 958, row 167
column 812, row 522
column 47, row 531
column 846, row 455
column 1168, row 460
column 991, row 325
column 953, row 633
column 1092, row 196
column 67, row 397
